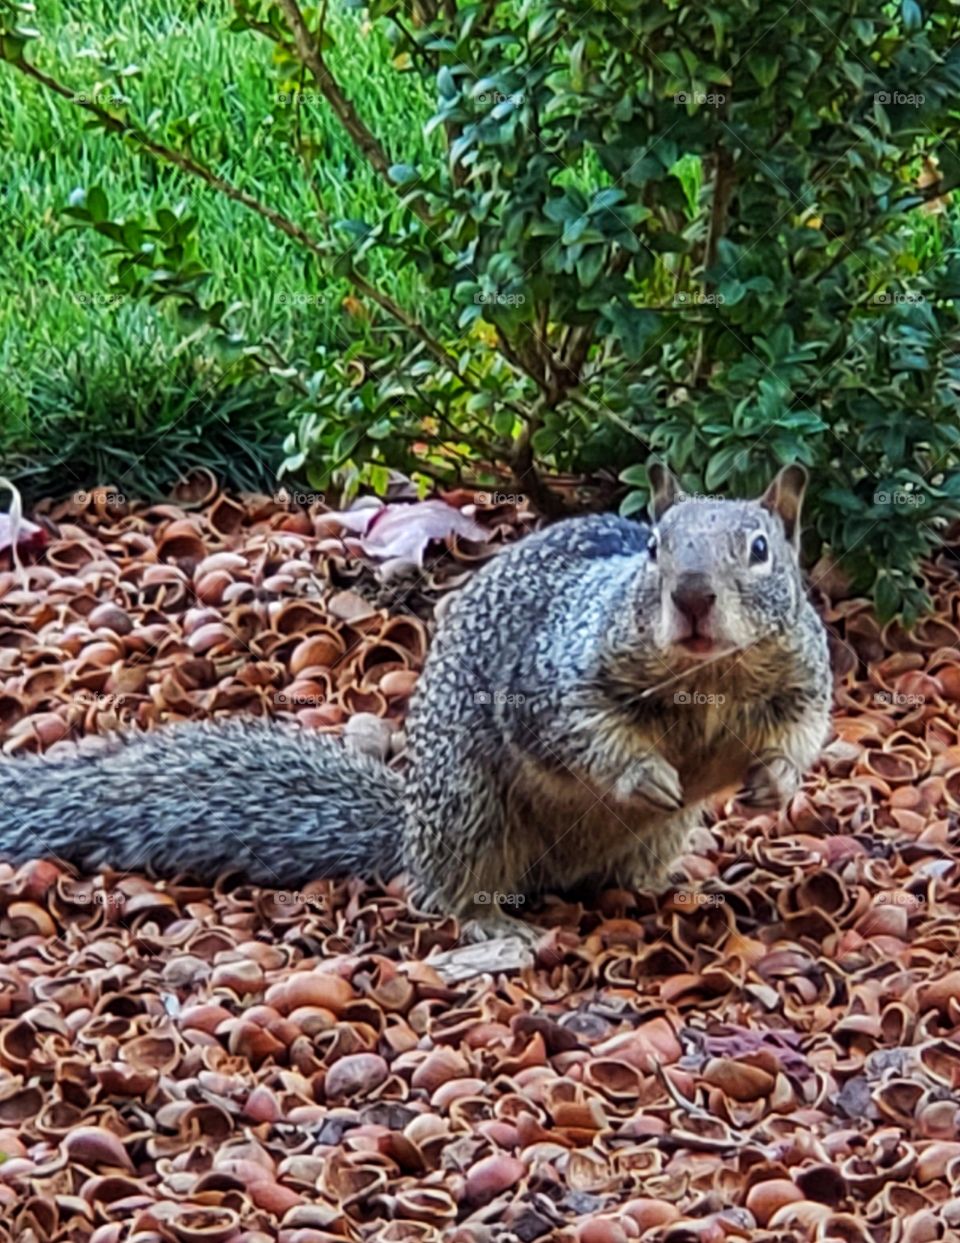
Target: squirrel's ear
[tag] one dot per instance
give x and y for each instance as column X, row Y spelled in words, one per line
column 784, row 497
column 664, row 490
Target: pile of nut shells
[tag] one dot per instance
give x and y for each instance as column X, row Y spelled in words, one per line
column 139, row 615
column 769, row 1052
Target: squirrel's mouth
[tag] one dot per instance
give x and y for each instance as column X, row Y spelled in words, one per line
column 699, row 644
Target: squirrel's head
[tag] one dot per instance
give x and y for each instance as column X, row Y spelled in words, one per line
column 728, row 571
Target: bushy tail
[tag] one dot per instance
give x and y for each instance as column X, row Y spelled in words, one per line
column 281, row 806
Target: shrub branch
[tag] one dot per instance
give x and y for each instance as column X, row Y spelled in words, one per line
column 309, row 51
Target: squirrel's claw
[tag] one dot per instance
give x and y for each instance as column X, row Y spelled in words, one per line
column 653, row 780
column 770, row 784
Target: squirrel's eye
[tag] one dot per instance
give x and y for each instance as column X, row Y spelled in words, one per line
column 652, row 547
column 759, row 550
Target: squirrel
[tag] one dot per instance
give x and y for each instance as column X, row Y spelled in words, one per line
column 585, row 695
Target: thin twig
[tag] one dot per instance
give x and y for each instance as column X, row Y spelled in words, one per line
column 680, row 1141
column 310, row 53
column 526, row 477
column 724, row 181
column 604, row 412
column 652, row 690
column 678, row 1098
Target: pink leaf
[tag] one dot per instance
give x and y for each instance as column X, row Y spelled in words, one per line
column 30, row 537
column 401, row 533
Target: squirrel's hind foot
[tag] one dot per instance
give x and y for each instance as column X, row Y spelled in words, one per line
column 770, row 784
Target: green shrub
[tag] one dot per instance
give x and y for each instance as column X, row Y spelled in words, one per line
column 642, row 228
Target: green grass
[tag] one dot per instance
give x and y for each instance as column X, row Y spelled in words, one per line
column 92, row 384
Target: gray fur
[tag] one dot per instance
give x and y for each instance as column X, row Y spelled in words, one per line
column 536, row 760
column 282, row 806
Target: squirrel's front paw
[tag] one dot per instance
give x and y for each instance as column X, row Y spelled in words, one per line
column 653, row 780
column 770, row 784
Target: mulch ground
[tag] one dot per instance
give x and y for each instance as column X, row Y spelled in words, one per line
column 769, row 1053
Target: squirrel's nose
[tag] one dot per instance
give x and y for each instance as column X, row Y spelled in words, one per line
column 694, row 597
